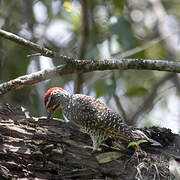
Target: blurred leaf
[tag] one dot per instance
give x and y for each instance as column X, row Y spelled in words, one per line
column 99, row 87
column 109, row 87
column 119, row 4
column 156, row 52
column 141, row 141
column 92, row 53
column 16, row 61
column 107, row 157
column 68, row 6
column 136, row 91
column 136, row 144
column 106, row 87
column 132, row 144
column 125, row 35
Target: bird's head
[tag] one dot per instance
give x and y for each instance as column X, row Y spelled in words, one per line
column 54, row 99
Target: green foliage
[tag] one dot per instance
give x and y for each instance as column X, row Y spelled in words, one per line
column 16, row 61
column 136, row 144
column 156, row 52
column 136, row 91
column 123, row 30
column 119, row 5
column 105, row 88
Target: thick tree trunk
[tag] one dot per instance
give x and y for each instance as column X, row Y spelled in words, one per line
column 53, row 149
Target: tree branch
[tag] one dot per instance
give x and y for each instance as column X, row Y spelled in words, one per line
column 29, row 79
column 146, row 64
column 84, row 66
column 72, row 65
column 26, row 43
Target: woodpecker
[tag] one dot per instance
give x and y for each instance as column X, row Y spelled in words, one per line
column 89, row 114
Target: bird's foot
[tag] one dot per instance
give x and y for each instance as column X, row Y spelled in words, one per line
column 92, row 149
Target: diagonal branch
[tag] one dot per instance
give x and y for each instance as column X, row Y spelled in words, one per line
column 26, row 43
column 72, row 65
column 137, row 49
column 29, row 79
column 161, row 65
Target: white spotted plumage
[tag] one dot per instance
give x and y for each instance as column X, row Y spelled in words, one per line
column 91, row 115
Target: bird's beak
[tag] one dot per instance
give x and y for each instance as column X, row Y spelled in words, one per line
column 51, row 110
column 49, row 114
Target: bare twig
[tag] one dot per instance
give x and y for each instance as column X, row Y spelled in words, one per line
column 142, row 47
column 137, row 49
column 120, row 107
column 117, row 100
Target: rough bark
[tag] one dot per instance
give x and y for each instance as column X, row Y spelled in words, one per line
column 53, row 149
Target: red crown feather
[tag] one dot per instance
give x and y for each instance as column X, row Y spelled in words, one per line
column 46, row 95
